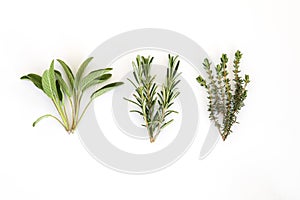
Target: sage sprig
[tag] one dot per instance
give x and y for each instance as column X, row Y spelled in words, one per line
column 154, row 103
column 67, row 95
column 226, row 96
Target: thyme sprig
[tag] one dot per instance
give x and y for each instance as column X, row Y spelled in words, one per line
column 154, row 104
column 69, row 94
column 226, row 97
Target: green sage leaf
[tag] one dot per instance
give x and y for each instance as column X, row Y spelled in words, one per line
column 63, row 84
column 59, row 91
column 35, row 79
column 48, row 82
column 46, row 116
column 81, row 70
column 68, row 72
column 98, row 80
column 105, row 89
column 91, row 77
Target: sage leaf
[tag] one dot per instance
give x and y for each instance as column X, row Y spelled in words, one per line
column 59, row 92
column 45, row 116
column 35, row 79
column 68, row 72
column 63, row 84
column 92, row 76
column 105, row 89
column 81, row 70
column 48, row 82
column 98, row 80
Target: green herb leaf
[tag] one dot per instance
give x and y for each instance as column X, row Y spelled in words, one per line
column 45, row 116
column 63, row 84
column 48, row 82
column 86, row 81
column 35, row 79
column 81, row 70
column 167, row 123
column 59, row 92
column 68, row 72
column 98, row 80
column 105, row 89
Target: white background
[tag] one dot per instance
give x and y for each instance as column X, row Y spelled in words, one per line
column 260, row 160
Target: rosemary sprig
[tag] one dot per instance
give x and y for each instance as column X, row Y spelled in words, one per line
column 154, row 106
column 224, row 102
column 69, row 94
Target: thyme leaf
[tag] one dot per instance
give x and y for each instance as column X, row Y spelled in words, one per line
column 226, row 96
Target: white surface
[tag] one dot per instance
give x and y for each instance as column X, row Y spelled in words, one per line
column 259, row 161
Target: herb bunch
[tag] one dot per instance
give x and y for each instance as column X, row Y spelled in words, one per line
column 66, row 96
column 153, row 103
column 226, row 97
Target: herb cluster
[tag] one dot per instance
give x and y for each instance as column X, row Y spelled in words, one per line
column 226, row 97
column 68, row 94
column 154, row 103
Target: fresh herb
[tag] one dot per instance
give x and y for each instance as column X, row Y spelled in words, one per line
column 226, row 97
column 68, row 94
column 154, row 104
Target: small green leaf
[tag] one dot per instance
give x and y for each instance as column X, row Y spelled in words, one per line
column 135, row 86
column 247, row 79
column 201, row 81
column 104, row 89
column 91, row 77
column 166, row 124
column 68, row 72
column 63, row 84
column 35, row 79
column 81, row 70
column 139, row 112
column 59, row 92
column 129, row 100
column 45, row 116
column 98, row 80
column 46, row 84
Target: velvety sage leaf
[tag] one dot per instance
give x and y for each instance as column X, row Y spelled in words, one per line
column 81, row 70
column 35, row 79
column 46, row 116
column 48, row 82
column 91, row 77
column 63, row 84
column 68, row 72
column 104, row 89
column 59, row 91
column 98, row 80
